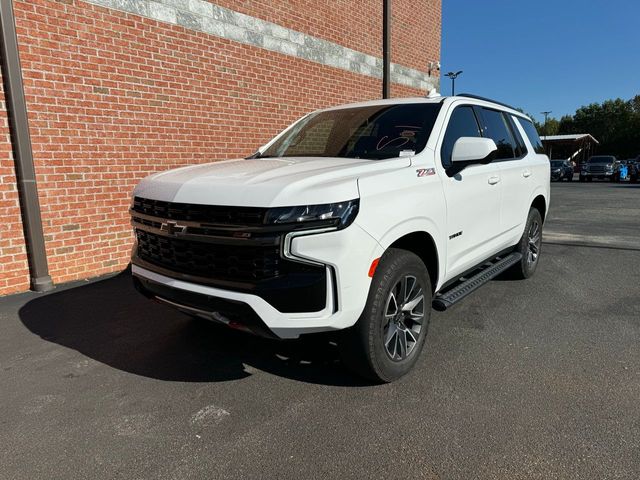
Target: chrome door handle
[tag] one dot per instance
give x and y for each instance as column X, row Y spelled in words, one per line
column 526, row 174
column 493, row 180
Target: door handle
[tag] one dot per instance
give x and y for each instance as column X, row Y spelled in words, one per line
column 526, row 173
column 493, row 180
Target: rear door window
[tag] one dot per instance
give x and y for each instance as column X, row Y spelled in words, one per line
column 496, row 127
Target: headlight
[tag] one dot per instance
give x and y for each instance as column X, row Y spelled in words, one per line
column 557, row 170
column 339, row 214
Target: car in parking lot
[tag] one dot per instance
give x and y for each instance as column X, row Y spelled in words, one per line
column 358, row 219
column 561, row 170
column 627, row 171
column 599, row 166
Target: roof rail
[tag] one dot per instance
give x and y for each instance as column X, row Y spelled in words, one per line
column 478, row 97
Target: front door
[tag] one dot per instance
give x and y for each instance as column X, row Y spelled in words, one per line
column 472, row 198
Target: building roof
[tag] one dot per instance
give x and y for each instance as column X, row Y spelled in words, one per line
column 568, row 138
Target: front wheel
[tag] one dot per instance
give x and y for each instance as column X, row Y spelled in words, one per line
column 387, row 340
column 529, row 246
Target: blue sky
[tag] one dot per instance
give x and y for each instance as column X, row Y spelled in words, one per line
column 543, row 55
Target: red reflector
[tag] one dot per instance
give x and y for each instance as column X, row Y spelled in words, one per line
column 372, row 268
column 237, row 326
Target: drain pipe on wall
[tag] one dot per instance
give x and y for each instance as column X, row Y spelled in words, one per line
column 22, row 152
column 386, row 48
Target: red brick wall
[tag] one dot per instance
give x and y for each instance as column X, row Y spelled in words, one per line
column 415, row 32
column 357, row 24
column 113, row 97
column 14, row 273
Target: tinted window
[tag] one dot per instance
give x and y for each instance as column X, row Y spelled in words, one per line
column 497, row 128
column 532, row 134
column 462, row 123
column 375, row 132
column 521, row 148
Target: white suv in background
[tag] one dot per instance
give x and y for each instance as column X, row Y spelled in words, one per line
column 358, row 218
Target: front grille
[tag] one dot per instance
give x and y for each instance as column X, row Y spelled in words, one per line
column 235, row 263
column 596, row 168
column 212, row 214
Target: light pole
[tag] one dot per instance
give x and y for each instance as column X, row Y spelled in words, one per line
column 546, row 114
column 453, row 76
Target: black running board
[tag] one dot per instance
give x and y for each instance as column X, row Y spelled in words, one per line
column 456, row 293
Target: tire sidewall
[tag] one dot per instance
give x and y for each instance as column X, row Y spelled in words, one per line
column 393, row 265
column 523, row 246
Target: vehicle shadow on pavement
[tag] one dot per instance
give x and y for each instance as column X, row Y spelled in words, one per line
column 110, row 322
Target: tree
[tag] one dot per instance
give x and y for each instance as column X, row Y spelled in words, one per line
column 614, row 123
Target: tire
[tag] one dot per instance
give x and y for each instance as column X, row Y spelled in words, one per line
column 569, row 178
column 589, row 179
column 363, row 347
column 530, row 246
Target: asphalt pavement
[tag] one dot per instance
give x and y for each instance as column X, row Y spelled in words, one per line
column 524, row 379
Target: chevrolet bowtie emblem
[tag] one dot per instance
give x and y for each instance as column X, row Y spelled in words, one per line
column 171, row 228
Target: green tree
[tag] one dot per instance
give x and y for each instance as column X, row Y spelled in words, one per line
column 614, row 123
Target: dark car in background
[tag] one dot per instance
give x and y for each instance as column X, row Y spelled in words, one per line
column 599, row 166
column 561, row 170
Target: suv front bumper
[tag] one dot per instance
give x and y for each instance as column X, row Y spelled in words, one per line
column 345, row 254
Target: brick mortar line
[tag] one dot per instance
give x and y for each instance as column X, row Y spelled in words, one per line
column 203, row 16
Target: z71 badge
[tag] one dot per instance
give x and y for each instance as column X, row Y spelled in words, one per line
column 425, row 172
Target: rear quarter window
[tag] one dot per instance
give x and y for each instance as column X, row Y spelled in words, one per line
column 532, row 134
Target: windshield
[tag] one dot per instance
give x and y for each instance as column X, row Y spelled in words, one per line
column 601, row 160
column 375, row 132
column 556, row 163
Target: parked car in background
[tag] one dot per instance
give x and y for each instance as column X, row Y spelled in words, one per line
column 627, row 170
column 599, row 166
column 561, row 170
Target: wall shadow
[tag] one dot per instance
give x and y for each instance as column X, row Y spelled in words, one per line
column 110, row 322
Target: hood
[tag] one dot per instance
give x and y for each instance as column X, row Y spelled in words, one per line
column 268, row 182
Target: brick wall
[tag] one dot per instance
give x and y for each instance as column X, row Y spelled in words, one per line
column 115, row 96
column 14, row 272
column 357, row 24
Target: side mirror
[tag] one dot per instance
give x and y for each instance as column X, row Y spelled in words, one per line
column 471, row 151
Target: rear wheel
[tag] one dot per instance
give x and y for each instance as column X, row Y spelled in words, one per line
column 529, row 246
column 387, row 340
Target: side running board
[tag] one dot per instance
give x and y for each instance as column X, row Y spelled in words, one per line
column 466, row 286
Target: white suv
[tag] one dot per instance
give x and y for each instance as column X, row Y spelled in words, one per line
column 358, row 218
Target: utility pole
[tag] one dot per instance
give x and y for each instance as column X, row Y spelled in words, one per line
column 546, row 115
column 386, row 48
column 453, row 76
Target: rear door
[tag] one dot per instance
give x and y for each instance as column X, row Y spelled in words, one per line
column 515, row 172
column 472, row 196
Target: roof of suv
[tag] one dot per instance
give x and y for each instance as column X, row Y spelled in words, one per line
column 435, row 99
